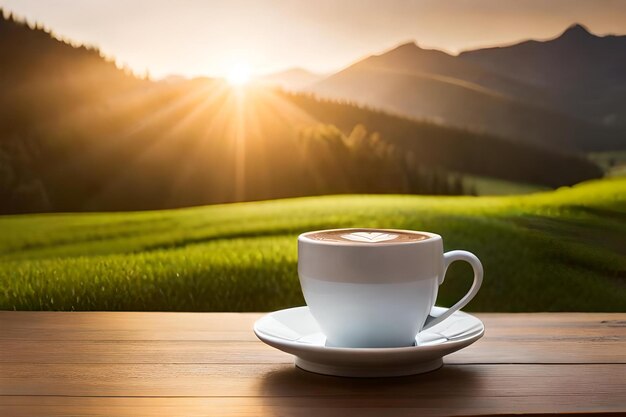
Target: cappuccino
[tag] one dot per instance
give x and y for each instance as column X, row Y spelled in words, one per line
column 376, row 288
column 368, row 236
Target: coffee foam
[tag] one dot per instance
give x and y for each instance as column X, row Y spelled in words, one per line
column 367, row 236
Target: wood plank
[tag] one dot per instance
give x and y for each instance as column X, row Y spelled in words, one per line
column 228, row 338
column 46, row 325
column 202, row 364
column 607, row 382
column 489, row 350
column 36, row 325
column 296, row 406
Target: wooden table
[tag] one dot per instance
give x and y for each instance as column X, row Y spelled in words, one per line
column 166, row 364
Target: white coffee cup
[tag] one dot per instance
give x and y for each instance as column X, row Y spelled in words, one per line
column 377, row 294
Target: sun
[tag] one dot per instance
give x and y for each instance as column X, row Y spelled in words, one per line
column 239, row 74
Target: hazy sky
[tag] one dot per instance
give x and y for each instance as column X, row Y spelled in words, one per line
column 210, row 37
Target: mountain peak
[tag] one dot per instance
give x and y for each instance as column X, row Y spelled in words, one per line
column 576, row 30
column 408, row 44
column 409, row 48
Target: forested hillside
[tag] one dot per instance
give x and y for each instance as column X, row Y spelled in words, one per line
column 78, row 133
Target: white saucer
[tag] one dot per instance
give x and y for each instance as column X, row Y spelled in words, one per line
column 295, row 331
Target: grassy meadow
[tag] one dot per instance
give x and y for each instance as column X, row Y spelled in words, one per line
column 613, row 162
column 562, row 250
column 494, row 186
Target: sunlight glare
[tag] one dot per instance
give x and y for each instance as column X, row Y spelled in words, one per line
column 239, row 74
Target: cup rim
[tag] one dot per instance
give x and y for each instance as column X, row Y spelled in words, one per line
column 431, row 237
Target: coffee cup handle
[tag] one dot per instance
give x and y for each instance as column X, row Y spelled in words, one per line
column 448, row 258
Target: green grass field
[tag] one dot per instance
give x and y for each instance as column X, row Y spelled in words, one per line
column 552, row 251
column 494, row 186
column 613, row 162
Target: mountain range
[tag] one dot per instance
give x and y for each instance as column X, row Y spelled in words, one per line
column 78, row 133
column 565, row 93
column 579, row 73
column 292, row 79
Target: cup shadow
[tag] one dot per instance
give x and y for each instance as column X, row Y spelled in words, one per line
column 289, row 391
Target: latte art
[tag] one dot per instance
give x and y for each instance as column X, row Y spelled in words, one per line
column 372, row 237
column 368, row 236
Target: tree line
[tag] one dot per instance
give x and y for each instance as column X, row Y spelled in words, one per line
column 77, row 133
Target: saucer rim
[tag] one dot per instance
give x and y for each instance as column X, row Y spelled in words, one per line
column 264, row 337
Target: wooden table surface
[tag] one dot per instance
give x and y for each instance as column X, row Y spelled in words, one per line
column 211, row 364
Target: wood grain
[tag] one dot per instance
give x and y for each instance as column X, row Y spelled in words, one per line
column 296, row 406
column 274, row 380
column 203, row 338
column 490, row 350
column 36, row 325
column 161, row 364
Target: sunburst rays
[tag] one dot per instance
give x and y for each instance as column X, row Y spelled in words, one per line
column 211, row 128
